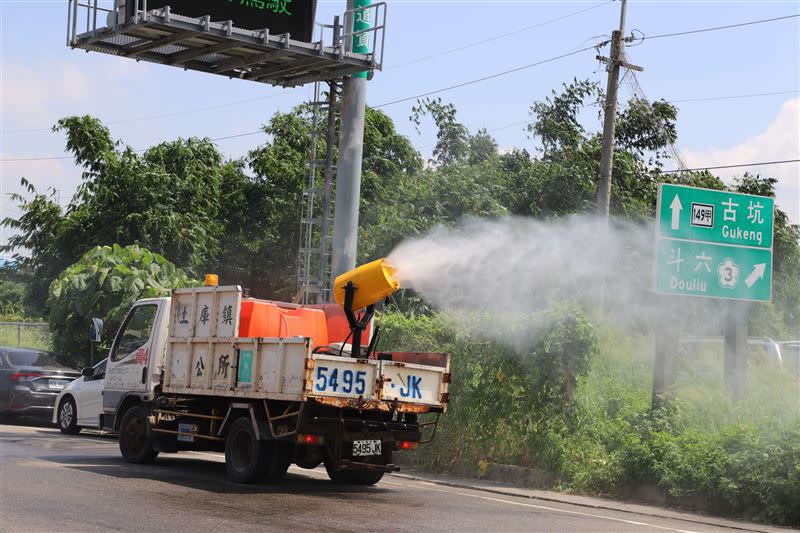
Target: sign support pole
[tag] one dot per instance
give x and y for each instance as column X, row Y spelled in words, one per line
column 736, row 349
column 351, row 148
column 665, row 365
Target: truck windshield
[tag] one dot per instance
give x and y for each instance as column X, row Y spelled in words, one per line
column 135, row 332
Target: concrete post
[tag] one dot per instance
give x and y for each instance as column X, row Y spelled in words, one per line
column 610, row 117
column 348, row 176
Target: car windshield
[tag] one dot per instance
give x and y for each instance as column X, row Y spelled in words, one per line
column 32, row 358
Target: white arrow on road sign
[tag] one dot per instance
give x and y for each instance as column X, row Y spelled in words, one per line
column 756, row 274
column 676, row 212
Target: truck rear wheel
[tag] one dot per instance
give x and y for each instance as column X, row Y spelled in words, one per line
column 279, row 459
column 136, row 440
column 246, row 457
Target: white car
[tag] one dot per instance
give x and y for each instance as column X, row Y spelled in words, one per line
column 80, row 404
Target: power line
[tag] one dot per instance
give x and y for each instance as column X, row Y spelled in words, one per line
column 484, row 78
column 732, row 97
column 505, row 73
column 471, row 82
column 716, row 28
column 456, row 86
column 285, row 91
column 166, row 115
column 249, row 133
column 717, row 167
column 54, row 158
column 498, row 37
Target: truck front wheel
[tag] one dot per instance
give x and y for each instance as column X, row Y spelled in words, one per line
column 136, row 437
column 245, row 455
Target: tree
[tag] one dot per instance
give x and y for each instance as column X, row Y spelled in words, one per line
column 572, row 152
column 104, row 283
column 281, row 176
column 168, row 199
column 35, row 231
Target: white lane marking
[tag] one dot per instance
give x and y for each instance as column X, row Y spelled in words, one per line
column 436, row 488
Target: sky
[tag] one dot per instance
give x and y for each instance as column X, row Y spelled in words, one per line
column 430, row 44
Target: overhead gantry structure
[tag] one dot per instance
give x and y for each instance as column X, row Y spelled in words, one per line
column 219, row 47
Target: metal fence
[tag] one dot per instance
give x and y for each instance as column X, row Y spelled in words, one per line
column 25, row 335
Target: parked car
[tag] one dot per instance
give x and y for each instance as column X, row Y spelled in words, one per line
column 30, row 380
column 80, row 404
column 790, row 355
column 761, row 350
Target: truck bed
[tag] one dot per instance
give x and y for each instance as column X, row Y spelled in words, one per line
column 207, row 360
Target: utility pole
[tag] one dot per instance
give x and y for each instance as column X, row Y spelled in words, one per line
column 351, row 147
column 610, row 112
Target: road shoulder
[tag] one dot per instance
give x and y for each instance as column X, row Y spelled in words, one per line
column 592, row 502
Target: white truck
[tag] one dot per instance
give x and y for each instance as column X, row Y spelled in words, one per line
column 180, row 376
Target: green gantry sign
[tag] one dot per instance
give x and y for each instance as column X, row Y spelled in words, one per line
column 714, row 244
column 361, row 21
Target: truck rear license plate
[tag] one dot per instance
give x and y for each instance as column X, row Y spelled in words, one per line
column 362, row 448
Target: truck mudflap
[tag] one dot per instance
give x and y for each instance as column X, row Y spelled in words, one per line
column 378, row 384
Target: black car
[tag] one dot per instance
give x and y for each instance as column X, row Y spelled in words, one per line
column 30, row 380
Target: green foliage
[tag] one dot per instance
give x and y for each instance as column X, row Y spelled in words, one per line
column 12, row 296
column 452, row 137
column 786, row 265
column 507, row 407
column 104, row 283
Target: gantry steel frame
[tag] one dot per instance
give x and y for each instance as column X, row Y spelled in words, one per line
column 218, row 47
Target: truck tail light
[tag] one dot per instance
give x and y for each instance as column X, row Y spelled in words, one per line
column 310, row 440
column 25, row 376
column 407, row 445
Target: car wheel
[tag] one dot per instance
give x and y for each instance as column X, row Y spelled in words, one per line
column 135, row 436
column 68, row 417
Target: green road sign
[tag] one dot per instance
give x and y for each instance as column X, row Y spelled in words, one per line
column 714, row 244
column 715, row 216
column 361, row 22
column 713, row 270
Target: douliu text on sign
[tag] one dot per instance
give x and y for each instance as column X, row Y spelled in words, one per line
column 713, row 243
column 295, row 17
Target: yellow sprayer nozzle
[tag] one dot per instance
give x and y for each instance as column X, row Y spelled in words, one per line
column 212, row 280
column 374, row 282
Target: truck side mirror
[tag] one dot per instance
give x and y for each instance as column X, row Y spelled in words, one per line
column 87, row 372
column 96, row 330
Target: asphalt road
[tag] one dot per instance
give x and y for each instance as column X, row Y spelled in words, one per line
column 53, row 482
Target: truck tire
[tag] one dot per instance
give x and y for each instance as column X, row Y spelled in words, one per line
column 280, row 457
column 246, row 457
column 136, row 440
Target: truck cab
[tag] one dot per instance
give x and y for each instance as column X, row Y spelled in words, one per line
column 136, row 358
